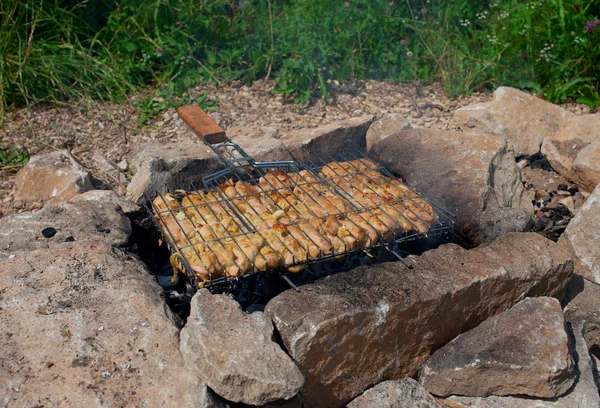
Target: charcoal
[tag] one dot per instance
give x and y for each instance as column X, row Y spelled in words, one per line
column 542, row 223
column 49, row 232
column 563, row 187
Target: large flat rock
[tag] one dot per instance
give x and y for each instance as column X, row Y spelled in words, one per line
column 523, row 350
column 235, row 353
column 522, row 118
column 583, row 394
column 52, row 177
column 474, row 176
column 183, row 164
column 350, row 331
column 316, row 144
column 384, row 127
column 583, row 308
column 404, row 393
column 570, row 154
column 583, row 238
column 83, row 220
column 85, row 325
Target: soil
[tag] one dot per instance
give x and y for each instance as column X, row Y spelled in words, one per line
column 91, row 128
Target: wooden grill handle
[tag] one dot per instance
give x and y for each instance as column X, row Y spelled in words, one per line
column 202, row 124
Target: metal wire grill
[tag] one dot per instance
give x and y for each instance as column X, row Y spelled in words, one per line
column 255, row 217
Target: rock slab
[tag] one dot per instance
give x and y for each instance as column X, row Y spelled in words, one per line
column 353, row 330
column 473, row 176
column 404, row 393
column 85, row 325
column 235, row 354
column 583, row 237
column 583, row 394
column 320, row 143
column 52, row 177
column 522, row 351
column 574, row 151
column 384, row 127
column 583, row 308
column 58, row 224
column 523, row 119
column 183, row 164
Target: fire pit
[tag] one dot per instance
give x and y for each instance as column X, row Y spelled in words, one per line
column 254, row 219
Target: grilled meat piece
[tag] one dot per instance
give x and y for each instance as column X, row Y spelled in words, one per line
column 289, row 219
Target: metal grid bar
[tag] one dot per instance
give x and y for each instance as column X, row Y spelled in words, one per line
column 303, row 187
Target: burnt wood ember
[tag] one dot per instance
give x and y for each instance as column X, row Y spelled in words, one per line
column 554, row 208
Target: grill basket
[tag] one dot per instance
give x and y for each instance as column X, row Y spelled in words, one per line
column 310, row 183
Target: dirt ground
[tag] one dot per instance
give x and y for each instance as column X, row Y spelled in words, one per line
column 92, row 128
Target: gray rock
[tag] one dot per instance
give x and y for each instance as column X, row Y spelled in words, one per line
column 572, row 151
column 85, row 325
column 108, row 169
column 109, row 196
column 583, row 308
column 522, row 118
column 203, row 397
column 404, row 393
column 500, row 221
column 587, row 165
column 352, row 330
column 384, row 127
column 583, row 238
column 183, row 164
column 473, row 176
column 54, row 177
column 320, row 143
column 163, row 167
column 235, row 354
column 260, row 143
column 583, row 394
column 85, row 221
column 523, row 350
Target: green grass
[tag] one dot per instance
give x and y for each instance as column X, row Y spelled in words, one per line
column 12, row 158
column 57, row 50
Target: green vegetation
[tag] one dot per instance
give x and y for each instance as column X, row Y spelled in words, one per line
column 12, row 158
column 53, row 50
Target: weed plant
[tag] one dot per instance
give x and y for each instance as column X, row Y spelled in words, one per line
column 53, row 50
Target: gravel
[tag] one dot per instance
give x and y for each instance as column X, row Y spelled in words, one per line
column 89, row 128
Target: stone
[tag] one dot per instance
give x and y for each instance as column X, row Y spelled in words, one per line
column 500, row 221
column 55, row 177
column 108, row 169
column 522, row 118
column 163, row 167
column 85, row 325
column 384, row 127
column 583, row 237
column 235, row 354
column 109, row 196
column 583, row 394
column 563, row 149
column 204, row 397
column 352, row 330
column 583, row 309
column 523, row 350
column 260, row 143
column 404, row 393
column 183, row 164
column 587, row 166
column 320, row 143
column 472, row 176
column 86, row 221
